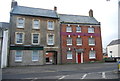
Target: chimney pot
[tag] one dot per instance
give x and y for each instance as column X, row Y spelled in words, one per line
column 55, row 8
column 91, row 13
column 13, row 4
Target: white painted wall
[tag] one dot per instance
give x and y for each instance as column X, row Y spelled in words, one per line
column 4, row 49
column 114, row 49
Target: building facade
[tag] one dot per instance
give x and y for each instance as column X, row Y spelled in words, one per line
column 34, row 33
column 80, row 38
column 4, row 44
column 41, row 36
column 113, row 49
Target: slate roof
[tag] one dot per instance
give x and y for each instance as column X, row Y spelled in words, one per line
column 4, row 25
column 114, row 42
column 66, row 18
column 21, row 10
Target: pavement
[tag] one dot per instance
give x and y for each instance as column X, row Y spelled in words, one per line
column 69, row 71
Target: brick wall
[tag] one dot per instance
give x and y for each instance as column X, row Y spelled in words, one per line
column 84, row 35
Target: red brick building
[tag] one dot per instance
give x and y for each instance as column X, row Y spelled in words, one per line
column 80, row 38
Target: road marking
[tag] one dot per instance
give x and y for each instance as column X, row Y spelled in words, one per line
column 63, row 77
column 84, row 76
column 103, row 75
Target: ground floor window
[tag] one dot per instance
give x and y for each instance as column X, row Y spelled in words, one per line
column 35, row 55
column 92, row 54
column 69, row 54
column 18, row 55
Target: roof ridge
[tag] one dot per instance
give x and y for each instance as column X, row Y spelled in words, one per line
column 74, row 15
column 35, row 8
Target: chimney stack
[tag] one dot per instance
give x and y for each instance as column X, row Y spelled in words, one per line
column 55, row 8
column 13, row 4
column 91, row 13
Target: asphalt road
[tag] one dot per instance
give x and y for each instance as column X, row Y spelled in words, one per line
column 70, row 71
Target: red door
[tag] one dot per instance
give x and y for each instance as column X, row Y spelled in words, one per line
column 79, row 58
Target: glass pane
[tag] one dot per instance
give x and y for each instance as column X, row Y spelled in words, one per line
column 69, row 40
column 19, row 37
column 90, row 30
column 35, row 55
column 50, row 25
column 78, row 29
column 69, row 29
column 35, row 38
column 50, row 39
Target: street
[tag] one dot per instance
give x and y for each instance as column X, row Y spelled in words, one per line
column 69, row 71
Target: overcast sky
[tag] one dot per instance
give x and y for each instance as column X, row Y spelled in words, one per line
column 104, row 11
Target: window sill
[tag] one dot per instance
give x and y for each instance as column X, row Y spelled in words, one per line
column 78, row 31
column 79, row 44
column 69, row 44
column 50, row 44
column 18, row 61
column 34, row 60
column 19, row 43
column 20, row 27
column 68, row 31
column 35, row 44
column 50, row 29
column 92, row 58
column 35, row 28
column 91, row 44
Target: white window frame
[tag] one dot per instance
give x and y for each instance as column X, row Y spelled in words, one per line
column 38, row 27
column 48, row 27
column 69, row 39
column 80, row 29
column 48, row 39
column 79, row 44
column 38, row 39
column 23, row 24
column 91, row 30
column 68, row 29
column 90, row 43
column 35, row 56
column 20, row 58
column 16, row 37
column 92, row 56
column 69, row 55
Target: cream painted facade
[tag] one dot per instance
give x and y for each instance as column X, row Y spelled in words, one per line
column 113, row 50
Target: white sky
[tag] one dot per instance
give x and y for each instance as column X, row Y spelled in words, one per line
column 104, row 11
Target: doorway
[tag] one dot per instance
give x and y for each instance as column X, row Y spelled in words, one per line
column 51, row 57
column 79, row 57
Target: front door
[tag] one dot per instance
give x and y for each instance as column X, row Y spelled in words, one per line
column 79, row 57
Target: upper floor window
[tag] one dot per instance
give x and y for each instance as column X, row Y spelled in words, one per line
column 36, row 24
column 78, row 29
column 68, row 29
column 79, row 41
column 69, row 54
column 20, row 22
column 18, row 55
column 50, row 40
column 69, row 41
column 19, row 36
column 90, row 30
column 91, row 41
column 35, row 55
column 92, row 54
column 35, row 38
column 50, row 25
